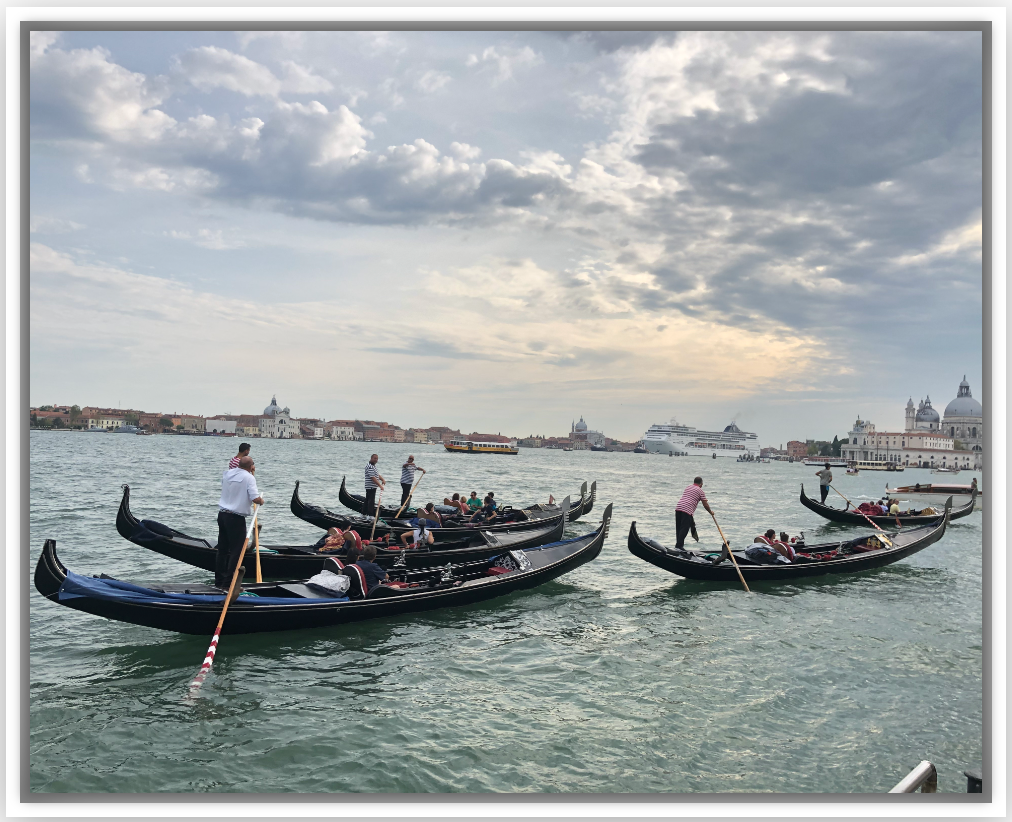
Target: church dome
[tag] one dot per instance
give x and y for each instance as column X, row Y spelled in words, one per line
column 272, row 409
column 927, row 413
column 964, row 405
column 581, row 425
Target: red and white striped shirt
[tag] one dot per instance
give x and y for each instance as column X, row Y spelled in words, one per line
column 690, row 499
column 234, row 462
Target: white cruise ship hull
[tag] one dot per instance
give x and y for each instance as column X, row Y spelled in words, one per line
column 669, row 447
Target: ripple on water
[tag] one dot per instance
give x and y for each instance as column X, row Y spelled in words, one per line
column 616, row 678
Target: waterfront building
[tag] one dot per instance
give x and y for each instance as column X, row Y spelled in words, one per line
column 963, row 420
column 580, row 432
column 277, row 423
column 219, row 425
column 342, row 430
column 916, row 447
column 192, row 424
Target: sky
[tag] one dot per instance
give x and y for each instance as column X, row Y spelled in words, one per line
column 503, row 231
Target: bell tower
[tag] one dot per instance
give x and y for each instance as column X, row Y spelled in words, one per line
column 911, row 413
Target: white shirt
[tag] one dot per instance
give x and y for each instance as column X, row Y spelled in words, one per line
column 238, row 490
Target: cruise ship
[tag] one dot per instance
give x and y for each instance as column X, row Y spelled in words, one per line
column 684, row 441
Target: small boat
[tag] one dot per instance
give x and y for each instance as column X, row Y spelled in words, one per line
column 952, row 470
column 193, row 608
column 842, row 557
column 935, row 493
column 567, row 448
column 293, row 561
column 851, row 517
column 126, row 429
column 853, row 471
column 598, row 448
column 820, row 462
column 509, row 518
column 356, row 502
column 459, row 446
column 873, row 465
column 639, row 449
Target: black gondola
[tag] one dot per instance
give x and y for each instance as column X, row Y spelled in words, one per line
column 852, row 518
column 195, row 609
column 356, row 503
column 512, row 519
column 694, row 565
column 295, row 561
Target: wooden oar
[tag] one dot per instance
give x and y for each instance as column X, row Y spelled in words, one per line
column 863, row 514
column 376, row 518
column 406, row 501
column 205, row 669
column 256, row 543
column 736, row 568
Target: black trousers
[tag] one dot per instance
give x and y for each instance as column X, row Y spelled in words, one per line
column 824, row 490
column 683, row 524
column 231, row 536
column 405, row 490
column 370, row 502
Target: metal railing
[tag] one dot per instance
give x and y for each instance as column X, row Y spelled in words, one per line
column 924, row 776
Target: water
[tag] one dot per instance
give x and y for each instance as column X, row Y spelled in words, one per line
column 618, row 677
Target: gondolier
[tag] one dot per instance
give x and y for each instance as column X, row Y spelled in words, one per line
column 684, row 522
column 238, row 493
column 373, row 481
column 825, row 478
column 243, row 452
column 408, row 477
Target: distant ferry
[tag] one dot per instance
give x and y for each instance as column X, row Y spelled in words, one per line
column 834, row 462
column 686, row 441
column 469, row 447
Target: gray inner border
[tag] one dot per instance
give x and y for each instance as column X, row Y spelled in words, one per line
column 983, row 26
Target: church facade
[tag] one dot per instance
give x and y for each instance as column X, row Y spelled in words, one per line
column 277, row 422
column 927, row 440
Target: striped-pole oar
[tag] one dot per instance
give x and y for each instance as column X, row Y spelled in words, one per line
column 372, row 533
column 205, row 669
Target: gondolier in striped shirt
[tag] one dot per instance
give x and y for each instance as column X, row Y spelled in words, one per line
column 373, row 481
column 408, row 477
column 243, row 452
column 684, row 522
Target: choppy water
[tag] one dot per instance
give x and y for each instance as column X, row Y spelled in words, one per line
column 617, row 677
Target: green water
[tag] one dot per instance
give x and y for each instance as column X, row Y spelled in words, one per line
column 617, row 677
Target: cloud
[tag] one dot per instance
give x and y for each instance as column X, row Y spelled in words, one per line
column 211, row 67
column 504, row 61
column 432, row 81
column 207, row 238
column 40, row 224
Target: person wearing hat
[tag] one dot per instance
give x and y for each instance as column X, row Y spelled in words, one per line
column 825, row 477
column 408, row 477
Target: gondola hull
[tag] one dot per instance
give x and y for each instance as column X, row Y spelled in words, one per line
column 356, row 503
column 885, row 521
column 295, row 562
column 905, row 543
column 324, row 518
column 197, row 612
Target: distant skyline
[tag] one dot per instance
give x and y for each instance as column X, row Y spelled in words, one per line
column 503, row 230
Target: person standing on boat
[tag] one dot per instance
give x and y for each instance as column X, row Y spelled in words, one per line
column 243, row 452
column 238, row 493
column 373, row 480
column 408, row 477
column 825, row 477
column 684, row 522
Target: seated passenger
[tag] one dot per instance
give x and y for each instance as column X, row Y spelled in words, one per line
column 781, row 546
column 473, row 503
column 486, row 513
column 458, row 501
column 895, row 507
column 883, row 507
column 418, row 537
column 352, row 554
column 429, row 512
column 374, row 575
column 332, row 541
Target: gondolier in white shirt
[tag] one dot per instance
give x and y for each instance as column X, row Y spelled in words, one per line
column 684, row 522
column 238, row 493
column 373, row 481
column 408, row 477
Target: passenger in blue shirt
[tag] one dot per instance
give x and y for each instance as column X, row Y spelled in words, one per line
column 374, row 574
column 486, row 513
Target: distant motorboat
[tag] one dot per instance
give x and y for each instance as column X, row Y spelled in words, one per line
column 126, row 429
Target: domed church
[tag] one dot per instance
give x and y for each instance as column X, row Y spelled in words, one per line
column 277, row 422
column 964, row 419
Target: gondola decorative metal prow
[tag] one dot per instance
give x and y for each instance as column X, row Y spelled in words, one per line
column 447, row 575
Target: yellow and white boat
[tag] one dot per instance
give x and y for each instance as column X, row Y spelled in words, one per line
column 469, row 447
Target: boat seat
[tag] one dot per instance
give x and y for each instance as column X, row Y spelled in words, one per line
column 305, row 592
column 357, row 577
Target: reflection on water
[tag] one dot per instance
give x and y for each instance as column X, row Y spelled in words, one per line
column 618, row 677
